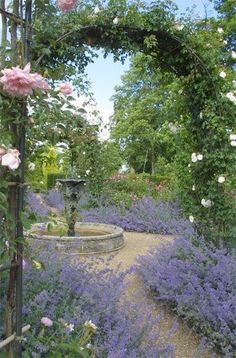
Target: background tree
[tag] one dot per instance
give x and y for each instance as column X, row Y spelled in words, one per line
column 145, row 110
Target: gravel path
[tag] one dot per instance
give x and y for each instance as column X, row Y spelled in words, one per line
column 185, row 340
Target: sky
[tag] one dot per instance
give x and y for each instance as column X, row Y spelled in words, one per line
column 104, row 74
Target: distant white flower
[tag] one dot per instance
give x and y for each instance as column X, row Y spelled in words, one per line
column 179, row 26
column 96, row 10
column 193, row 188
column 200, row 115
column 194, row 157
column 84, row 153
column 173, row 128
column 220, row 30
column 90, row 324
column 31, row 167
column 231, row 97
column 115, row 20
column 89, row 345
column 7, row 244
column 87, row 171
column 233, row 143
column 69, row 326
column 225, row 42
column 41, row 182
column 189, row 165
column 222, row 74
column 232, row 137
column 180, row 91
column 206, row 203
column 221, row 179
column 191, row 218
column 233, row 54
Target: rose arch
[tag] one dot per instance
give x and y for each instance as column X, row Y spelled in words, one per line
column 193, row 52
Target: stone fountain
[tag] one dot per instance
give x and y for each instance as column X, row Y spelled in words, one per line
column 82, row 237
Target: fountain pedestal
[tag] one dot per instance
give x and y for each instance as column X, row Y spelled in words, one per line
column 71, row 190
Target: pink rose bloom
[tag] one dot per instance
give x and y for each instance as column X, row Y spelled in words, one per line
column 17, row 81
column 21, row 82
column 66, row 5
column 46, row 322
column 2, row 152
column 66, row 88
column 39, row 82
column 11, row 159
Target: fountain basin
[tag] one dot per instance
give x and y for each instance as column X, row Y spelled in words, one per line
column 90, row 238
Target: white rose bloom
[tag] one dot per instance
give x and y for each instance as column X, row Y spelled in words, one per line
column 221, row 179
column 206, row 203
column 233, row 54
column 220, row 30
column 31, row 167
column 115, row 21
column 194, row 157
column 231, row 97
column 222, row 74
column 173, row 128
column 233, row 143
column 199, row 157
column 191, row 218
column 232, row 137
column 96, row 10
column 179, row 27
column 11, row 159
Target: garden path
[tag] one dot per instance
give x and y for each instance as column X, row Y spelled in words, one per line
column 185, row 340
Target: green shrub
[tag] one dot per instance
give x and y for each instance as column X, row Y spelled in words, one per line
column 52, row 179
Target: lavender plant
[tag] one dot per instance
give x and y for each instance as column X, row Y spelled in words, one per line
column 145, row 215
column 36, row 205
column 70, row 294
column 199, row 283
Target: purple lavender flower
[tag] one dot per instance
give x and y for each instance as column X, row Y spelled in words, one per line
column 146, row 215
column 83, row 291
column 199, row 283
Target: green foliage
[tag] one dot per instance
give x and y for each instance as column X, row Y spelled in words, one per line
column 124, row 188
column 144, row 105
column 52, row 179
